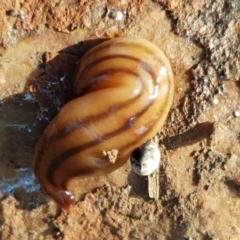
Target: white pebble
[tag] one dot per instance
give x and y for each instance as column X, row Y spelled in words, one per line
column 149, row 159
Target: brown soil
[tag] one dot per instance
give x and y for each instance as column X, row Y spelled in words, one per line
column 199, row 175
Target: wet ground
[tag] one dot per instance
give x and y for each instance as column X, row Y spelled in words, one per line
column 199, row 176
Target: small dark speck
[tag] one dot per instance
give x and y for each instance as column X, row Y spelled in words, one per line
column 233, row 185
column 41, row 66
column 206, row 187
column 136, row 154
column 56, row 233
column 12, row 13
column 200, row 81
column 222, row 77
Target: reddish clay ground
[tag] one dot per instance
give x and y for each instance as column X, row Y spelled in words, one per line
column 199, row 176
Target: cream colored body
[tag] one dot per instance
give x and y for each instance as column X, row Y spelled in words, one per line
column 124, row 90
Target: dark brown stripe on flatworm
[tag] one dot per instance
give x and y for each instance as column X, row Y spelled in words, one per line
column 130, row 144
column 78, row 172
column 107, row 71
column 123, row 45
column 144, row 65
column 148, row 68
column 40, row 152
column 64, row 156
column 85, row 172
column 45, row 142
column 83, row 123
